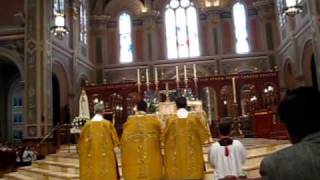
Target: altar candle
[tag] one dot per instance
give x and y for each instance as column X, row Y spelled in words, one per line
column 194, row 71
column 185, row 72
column 177, row 73
column 156, row 75
column 234, row 90
column 147, row 75
column 138, row 76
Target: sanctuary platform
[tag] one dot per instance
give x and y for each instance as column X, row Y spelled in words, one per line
column 65, row 163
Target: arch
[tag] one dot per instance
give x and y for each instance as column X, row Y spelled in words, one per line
column 81, row 80
column 245, row 69
column 116, row 6
column 208, row 95
column 15, row 124
column 159, row 5
column 64, row 83
column 248, row 99
column 306, row 61
column 288, row 75
column 14, row 57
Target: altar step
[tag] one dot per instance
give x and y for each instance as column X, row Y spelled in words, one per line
column 34, row 173
column 65, row 164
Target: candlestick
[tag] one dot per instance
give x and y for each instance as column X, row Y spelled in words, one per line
column 138, row 76
column 147, row 75
column 177, row 73
column 195, row 71
column 156, row 75
column 185, row 72
column 234, row 90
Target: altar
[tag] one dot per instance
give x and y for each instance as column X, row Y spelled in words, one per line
column 234, row 97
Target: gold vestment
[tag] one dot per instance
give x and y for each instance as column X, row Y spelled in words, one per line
column 141, row 148
column 96, row 151
column 183, row 140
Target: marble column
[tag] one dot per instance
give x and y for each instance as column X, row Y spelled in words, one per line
column 266, row 15
column 215, row 30
column 98, row 34
column 38, row 67
column 150, row 44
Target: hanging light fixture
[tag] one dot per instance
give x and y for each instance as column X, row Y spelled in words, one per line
column 292, row 8
column 59, row 29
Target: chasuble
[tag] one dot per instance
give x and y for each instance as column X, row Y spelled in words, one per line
column 96, row 151
column 183, row 140
column 141, row 148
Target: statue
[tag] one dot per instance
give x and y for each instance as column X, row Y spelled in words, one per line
column 84, row 105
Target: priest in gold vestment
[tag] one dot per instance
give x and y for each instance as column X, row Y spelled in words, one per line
column 96, row 148
column 184, row 135
column 141, row 147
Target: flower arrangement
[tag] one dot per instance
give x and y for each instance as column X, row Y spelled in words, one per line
column 151, row 99
column 79, row 121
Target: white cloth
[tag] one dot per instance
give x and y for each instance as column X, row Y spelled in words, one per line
column 97, row 117
column 28, row 156
column 227, row 165
column 182, row 113
column 84, row 105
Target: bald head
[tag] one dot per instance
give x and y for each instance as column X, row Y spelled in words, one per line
column 99, row 108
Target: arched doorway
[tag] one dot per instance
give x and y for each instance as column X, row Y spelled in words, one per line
column 11, row 101
column 56, row 109
column 314, row 72
column 288, row 75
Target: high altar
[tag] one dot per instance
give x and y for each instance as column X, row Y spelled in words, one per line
column 248, row 99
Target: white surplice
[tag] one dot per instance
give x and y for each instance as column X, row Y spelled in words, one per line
column 227, row 165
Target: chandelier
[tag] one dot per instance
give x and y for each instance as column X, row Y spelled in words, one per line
column 293, row 8
column 59, row 29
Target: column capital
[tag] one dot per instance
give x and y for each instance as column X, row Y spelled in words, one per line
column 149, row 14
column 149, row 19
column 99, row 22
column 75, row 9
column 265, row 9
column 214, row 14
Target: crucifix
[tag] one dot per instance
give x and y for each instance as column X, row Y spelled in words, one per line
column 167, row 92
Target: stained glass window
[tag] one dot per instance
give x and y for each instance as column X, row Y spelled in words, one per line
column 240, row 25
column 282, row 18
column 126, row 46
column 83, row 23
column 181, row 29
column 58, row 6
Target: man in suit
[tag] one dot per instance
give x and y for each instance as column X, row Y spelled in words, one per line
column 299, row 111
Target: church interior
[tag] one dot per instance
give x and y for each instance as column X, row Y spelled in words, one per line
column 233, row 59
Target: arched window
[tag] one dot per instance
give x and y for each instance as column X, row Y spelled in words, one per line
column 181, row 29
column 126, row 47
column 83, row 22
column 291, row 2
column 58, row 6
column 240, row 25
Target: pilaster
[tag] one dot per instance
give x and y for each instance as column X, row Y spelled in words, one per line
column 150, row 44
column 37, row 104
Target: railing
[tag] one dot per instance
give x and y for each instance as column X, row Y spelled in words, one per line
column 56, row 131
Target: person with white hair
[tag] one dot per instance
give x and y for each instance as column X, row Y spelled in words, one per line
column 97, row 141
